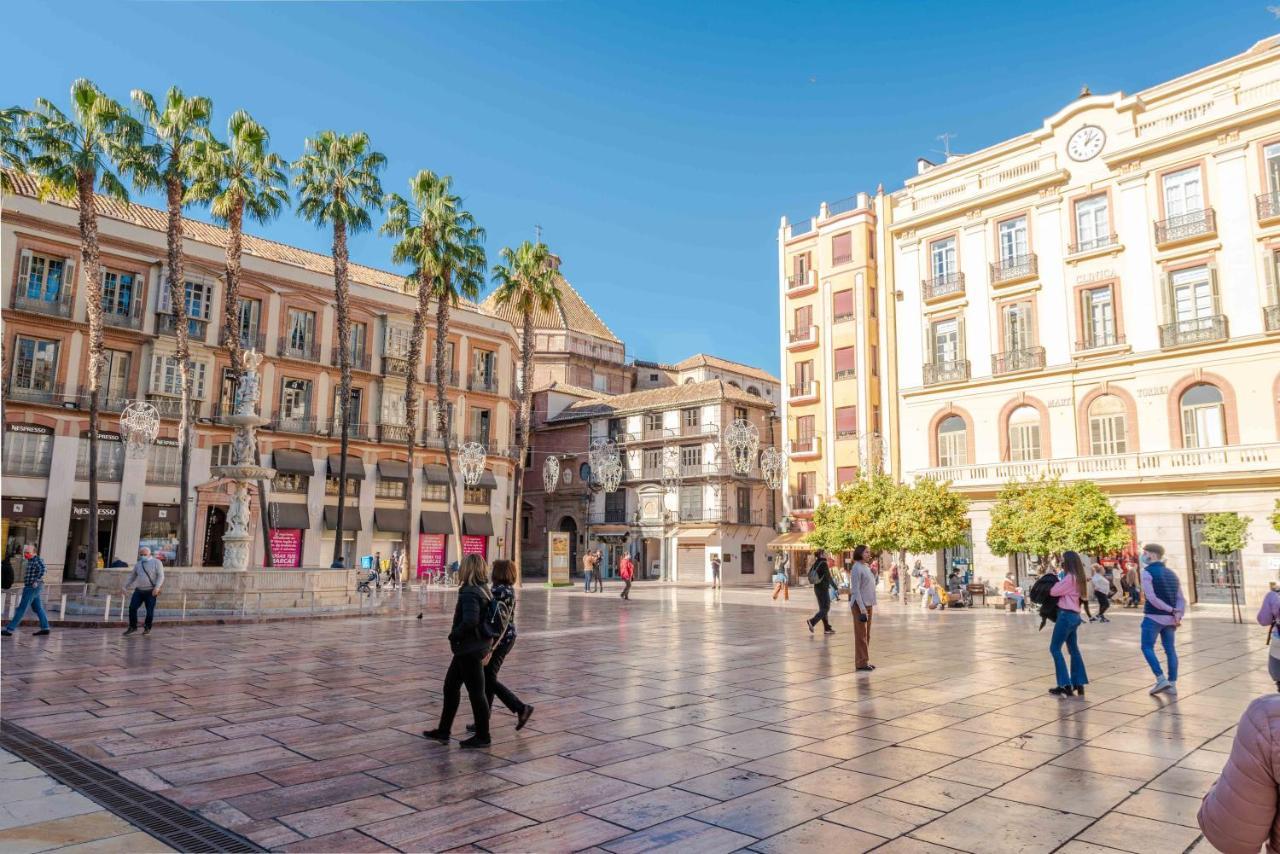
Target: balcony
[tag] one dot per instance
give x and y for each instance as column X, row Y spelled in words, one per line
column 124, row 320
column 954, row 371
column 806, row 448
column 1230, row 462
column 248, row 340
column 482, row 382
column 395, row 366
column 654, row 433
column 846, row 435
column 1198, row 330
column 799, row 284
column 1185, row 227
column 432, row 439
column 1096, row 244
column 305, row 350
column 699, row 429
column 621, row 437
column 53, row 394
column 60, row 306
column 802, row 338
column 1271, row 315
column 1012, row 361
column 805, row 392
column 167, row 324
column 1268, row 205
column 1099, row 341
column 482, row 438
column 946, row 285
column 112, row 401
column 1015, row 268
column 846, row 374
column 803, row 503
column 360, row 361
column 170, row 407
column 434, row 376
column 610, row 516
column 355, row 429
column 284, row 423
column 393, row 433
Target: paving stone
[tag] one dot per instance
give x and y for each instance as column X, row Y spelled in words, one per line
column 767, row 812
column 993, row 824
column 571, row 833
column 1139, row 835
column 818, row 835
column 678, row 836
column 883, row 817
column 649, row 808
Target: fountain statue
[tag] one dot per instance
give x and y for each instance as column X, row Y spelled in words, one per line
column 237, row 542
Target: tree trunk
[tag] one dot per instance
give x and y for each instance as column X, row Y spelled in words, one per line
column 523, row 440
column 91, row 270
column 178, row 300
column 411, row 405
column 904, row 576
column 443, row 425
column 344, row 390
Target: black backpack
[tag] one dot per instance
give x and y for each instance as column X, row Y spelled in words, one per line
column 497, row 616
column 815, row 574
column 1039, row 595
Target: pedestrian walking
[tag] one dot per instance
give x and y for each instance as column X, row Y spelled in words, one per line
column 894, row 572
column 1269, row 616
column 1101, row 593
column 503, row 575
column 781, row 583
column 469, row 646
column 626, row 571
column 715, row 570
column 1162, row 610
column 1238, row 814
column 820, row 578
column 32, row 583
column 1134, row 584
column 147, row 578
column 597, row 578
column 1069, row 590
column 588, row 564
column 862, row 601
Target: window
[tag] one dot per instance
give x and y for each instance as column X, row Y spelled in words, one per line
column 845, row 363
column 944, row 336
column 753, row 391
column 28, row 450
column 1191, row 294
column 803, row 319
column 1024, row 434
column 199, row 299
column 1107, row 430
column 1183, row 193
column 481, row 420
column 227, row 391
column 953, row 442
column 353, row 489
column 115, row 377
column 805, row 487
column 653, row 378
column 842, row 305
column 1013, row 240
column 35, row 365
column 875, row 418
column 803, row 375
column 846, row 475
column 739, row 413
column 393, row 412
column 250, row 319
column 652, row 461
column 1015, row 320
column 1203, row 418
column 43, row 277
column 117, row 293
column 1271, row 166
column 615, row 507
column 110, row 458
column 842, row 248
column 301, row 331
column 690, row 456
column 1097, row 306
column 357, row 335
column 942, row 257
column 805, row 429
column 871, row 301
column 354, row 409
column 691, row 417
column 744, row 505
column 295, row 398
column 164, row 462
column 800, row 269
column 220, row 455
column 691, row 502
column 389, row 489
column 396, row 340
column 875, row 360
column 846, row 422
column 166, row 377
column 653, row 422
column 1093, row 227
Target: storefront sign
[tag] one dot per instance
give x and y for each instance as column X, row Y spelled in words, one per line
column 475, row 545
column 286, row 548
column 431, row 553
column 34, row 429
column 23, row 508
column 81, row 511
column 558, row 557
column 102, row 437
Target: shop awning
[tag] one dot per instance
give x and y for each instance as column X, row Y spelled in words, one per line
column 160, row 513
column 435, row 522
column 436, row 475
column 392, row 521
column 293, row 462
column 487, row 481
column 350, row 518
column 477, row 524
column 23, row 508
column 355, row 466
column 792, row 542
column 286, row 516
column 393, row 470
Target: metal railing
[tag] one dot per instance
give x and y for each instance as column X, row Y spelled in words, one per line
column 355, row 429
column 1193, row 331
column 395, row 366
column 608, row 517
column 60, row 307
column 1268, row 204
column 804, row 389
column 393, row 433
column 248, row 340
column 361, row 361
column 167, row 324
column 1100, row 340
column 1103, row 242
column 1186, row 226
column 803, row 335
column 800, row 501
column 1014, row 267
column 171, row 407
column 1023, row 359
column 651, row 433
column 131, row 319
column 846, row 435
column 293, row 423
column 941, row 286
column 450, row 379
column 307, row 351
column 799, row 281
column 479, row 437
column 936, row 373
column 846, row 374
column 480, row 382
column 432, row 439
column 1271, row 315
column 806, row 446
column 52, row 393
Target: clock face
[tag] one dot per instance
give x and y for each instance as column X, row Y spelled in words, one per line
column 1086, row 142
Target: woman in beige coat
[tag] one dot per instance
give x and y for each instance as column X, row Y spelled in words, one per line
column 1239, row 813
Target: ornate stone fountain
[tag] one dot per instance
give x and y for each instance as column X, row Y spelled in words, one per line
column 238, row 541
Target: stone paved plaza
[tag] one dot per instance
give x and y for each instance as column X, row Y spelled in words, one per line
column 684, row 719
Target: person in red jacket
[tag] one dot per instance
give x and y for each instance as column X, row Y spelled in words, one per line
column 627, row 571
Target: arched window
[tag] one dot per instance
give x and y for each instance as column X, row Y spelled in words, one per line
column 752, row 390
column 688, row 380
column 953, row 442
column 1024, row 434
column 734, row 383
column 1108, row 432
column 1203, row 424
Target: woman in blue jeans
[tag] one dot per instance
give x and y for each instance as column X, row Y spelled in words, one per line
column 1070, row 589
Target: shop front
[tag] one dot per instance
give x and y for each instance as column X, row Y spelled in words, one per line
column 20, row 524
column 79, row 550
column 159, row 532
column 477, row 528
column 433, row 541
column 389, row 527
column 289, row 524
column 790, row 552
column 350, row 527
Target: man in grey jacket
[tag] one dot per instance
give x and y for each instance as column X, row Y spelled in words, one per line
column 147, row 578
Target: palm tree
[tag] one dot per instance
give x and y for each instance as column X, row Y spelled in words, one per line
column 236, row 178
column 179, row 127
column 14, row 150
column 74, row 157
column 337, row 185
column 445, row 247
column 527, row 281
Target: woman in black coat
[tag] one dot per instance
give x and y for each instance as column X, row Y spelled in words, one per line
column 469, row 646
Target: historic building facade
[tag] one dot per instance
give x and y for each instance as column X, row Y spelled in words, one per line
column 1096, row 299
column 287, row 313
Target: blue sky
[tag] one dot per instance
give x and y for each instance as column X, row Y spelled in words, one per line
column 655, row 143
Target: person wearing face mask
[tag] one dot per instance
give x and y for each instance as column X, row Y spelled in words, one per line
column 1162, row 612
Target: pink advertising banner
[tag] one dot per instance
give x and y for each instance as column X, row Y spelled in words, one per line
column 474, row 545
column 286, row 547
column 430, row 553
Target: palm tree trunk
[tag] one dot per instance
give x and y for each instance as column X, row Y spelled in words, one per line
column 411, row 404
column 178, row 300
column 443, row 373
column 91, row 270
column 344, row 389
column 525, row 421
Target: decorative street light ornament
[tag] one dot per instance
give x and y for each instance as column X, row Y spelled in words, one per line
column 741, row 438
column 611, row 475
column 472, row 462
column 550, row 473
column 139, row 424
column 671, row 469
column 602, row 451
column 773, row 465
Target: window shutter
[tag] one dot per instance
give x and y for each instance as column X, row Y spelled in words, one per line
column 24, row 269
column 1213, row 287
column 68, row 278
column 163, row 304
column 1171, row 310
column 961, row 351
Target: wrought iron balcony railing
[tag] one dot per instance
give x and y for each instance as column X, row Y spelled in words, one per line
column 1014, row 267
column 800, row 501
column 294, row 423
column 167, row 324
column 803, row 335
column 1271, row 314
column 393, row 433
column 1023, row 359
column 1186, row 226
column 248, row 340
column 941, row 286
column 59, row 306
column 361, row 361
column 808, row 388
column 51, row 393
column 451, row 378
column 1268, row 204
column 124, row 319
column 395, row 366
column 953, row 371
column 1194, row 331
column 355, row 429
column 481, row 382
column 1104, row 241
column 306, row 350
column 1099, row 340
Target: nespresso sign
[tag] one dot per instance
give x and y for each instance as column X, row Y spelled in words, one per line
column 81, row 511
column 34, row 429
column 102, row 436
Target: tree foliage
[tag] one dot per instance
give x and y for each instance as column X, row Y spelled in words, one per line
column 1225, row 533
column 1045, row 517
column 1275, row 517
column 887, row 516
column 929, row 516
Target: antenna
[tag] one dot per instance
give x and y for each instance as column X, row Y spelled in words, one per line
column 537, row 230
column 946, row 141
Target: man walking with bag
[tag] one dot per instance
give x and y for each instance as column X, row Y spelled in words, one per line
column 820, row 578
column 862, row 599
column 147, row 578
column 32, row 582
column 1162, row 610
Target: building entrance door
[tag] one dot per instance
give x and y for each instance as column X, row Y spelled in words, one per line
column 1213, row 575
column 691, row 564
column 215, row 527
column 80, row 554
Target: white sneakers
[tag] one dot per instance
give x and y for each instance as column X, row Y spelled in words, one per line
column 1163, row 684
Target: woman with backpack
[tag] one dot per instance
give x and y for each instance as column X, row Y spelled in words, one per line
column 1269, row 616
column 1068, row 592
column 820, row 578
column 470, row 647
column 503, row 573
